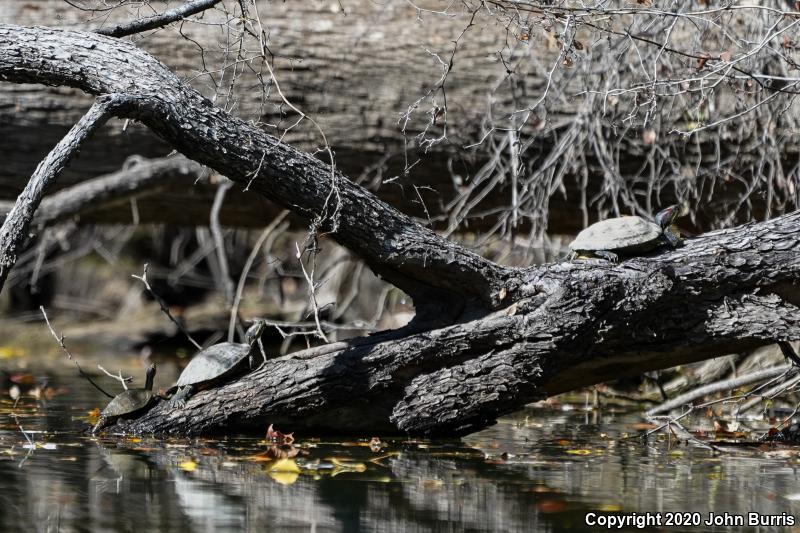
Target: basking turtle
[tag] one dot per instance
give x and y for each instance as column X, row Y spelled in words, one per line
column 215, row 363
column 127, row 403
column 627, row 235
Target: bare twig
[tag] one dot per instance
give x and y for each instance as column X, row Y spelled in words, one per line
column 719, row 386
column 60, row 340
column 312, row 289
column 157, row 21
column 118, row 377
column 164, row 308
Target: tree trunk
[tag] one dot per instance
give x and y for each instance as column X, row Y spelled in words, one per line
column 356, row 74
column 487, row 338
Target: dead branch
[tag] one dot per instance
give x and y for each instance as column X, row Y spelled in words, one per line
column 157, row 21
column 15, row 226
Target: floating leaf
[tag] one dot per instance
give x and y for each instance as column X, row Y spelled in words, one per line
column 22, row 379
column 284, row 478
column 582, row 451
column 187, row 466
column 551, row 506
column 610, row 508
column 342, row 464
column 8, row 352
column 284, row 465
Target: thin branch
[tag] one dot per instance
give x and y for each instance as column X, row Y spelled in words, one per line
column 118, row 377
column 158, row 21
column 60, row 340
column 718, row 386
column 164, row 308
column 247, row 266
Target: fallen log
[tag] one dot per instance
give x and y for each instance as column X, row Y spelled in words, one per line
column 487, row 338
column 591, row 321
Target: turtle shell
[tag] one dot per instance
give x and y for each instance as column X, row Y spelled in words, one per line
column 127, row 402
column 213, row 362
column 619, row 234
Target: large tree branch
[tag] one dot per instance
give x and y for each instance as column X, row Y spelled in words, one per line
column 411, row 257
column 722, row 292
column 551, row 328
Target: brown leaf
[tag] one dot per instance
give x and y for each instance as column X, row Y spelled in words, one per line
column 725, row 56
column 701, row 61
column 275, row 452
column 274, row 435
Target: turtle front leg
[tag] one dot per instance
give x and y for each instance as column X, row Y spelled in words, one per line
column 673, row 237
column 178, row 400
column 608, row 256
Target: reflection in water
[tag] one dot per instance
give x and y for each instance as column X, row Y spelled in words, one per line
column 541, row 470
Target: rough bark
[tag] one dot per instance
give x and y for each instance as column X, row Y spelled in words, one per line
column 355, row 75
column 508, row 335
column 406, row 254
column 594, row 321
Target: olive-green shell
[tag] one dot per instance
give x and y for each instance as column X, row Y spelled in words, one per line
column 127, row 402
column 619, row 234
column 213, row 363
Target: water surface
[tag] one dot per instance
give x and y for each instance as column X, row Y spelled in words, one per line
column 541, row 469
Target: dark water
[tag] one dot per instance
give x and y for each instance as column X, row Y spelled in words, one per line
column 541, row 470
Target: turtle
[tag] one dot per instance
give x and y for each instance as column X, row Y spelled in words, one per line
column 627, row 235
column 214, row 364
column 129, row 402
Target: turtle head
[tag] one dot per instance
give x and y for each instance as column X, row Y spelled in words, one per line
column 149, row 376
column 254, row 332
column 666, row 217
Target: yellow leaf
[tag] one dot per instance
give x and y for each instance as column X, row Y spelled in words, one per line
column 284, row 465
column 187, row 466
column 610, row 508
column 284, row 478
column 7, row 352
column 579, row 452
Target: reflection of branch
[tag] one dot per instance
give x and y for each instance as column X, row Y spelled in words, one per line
column 164, row 308
column 157, row 21
column 60, row 340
